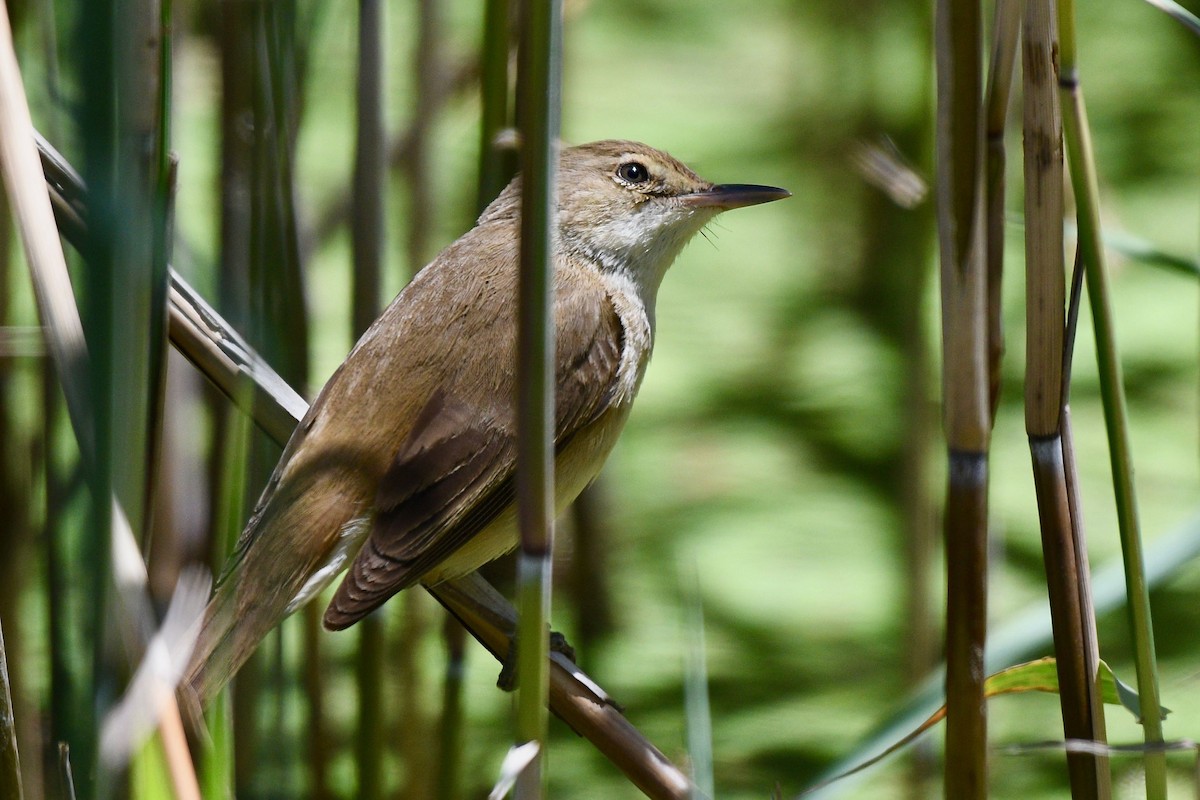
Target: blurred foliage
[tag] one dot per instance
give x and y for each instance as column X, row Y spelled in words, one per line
column 767, row 449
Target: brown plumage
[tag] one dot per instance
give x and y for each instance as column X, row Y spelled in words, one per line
column 412, row 442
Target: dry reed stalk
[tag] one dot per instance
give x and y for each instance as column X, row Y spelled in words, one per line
column 1077, row 656
column 966, row 382
column 1000, row 75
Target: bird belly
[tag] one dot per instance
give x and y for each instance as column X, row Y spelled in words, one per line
column 576, row 465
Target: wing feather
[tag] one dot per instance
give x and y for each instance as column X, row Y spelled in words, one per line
column 454, row 474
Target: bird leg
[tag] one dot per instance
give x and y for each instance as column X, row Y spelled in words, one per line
column 507, row 680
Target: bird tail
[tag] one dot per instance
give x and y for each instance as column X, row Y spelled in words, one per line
column 289, row 552
column 228, row 637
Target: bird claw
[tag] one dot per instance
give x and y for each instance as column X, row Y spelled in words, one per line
column 507, row 680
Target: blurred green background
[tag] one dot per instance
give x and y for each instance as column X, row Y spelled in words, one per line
column 786, row 447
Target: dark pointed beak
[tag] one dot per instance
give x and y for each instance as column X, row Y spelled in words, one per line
column 725, row 196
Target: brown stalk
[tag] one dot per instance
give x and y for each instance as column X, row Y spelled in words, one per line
column 1000, row 76
column 966, row 382
column 319, row 745
column 221, row 355
column 367, row 231
column 1044, row 282
column 1077, row 658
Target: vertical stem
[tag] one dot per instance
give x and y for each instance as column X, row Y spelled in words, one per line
column 368, row 238
column 1112, row 394
column 318, row 743
column 1082, row 712
column 539, row 107
column 97, row 64
column 495, row 169
column 966, row 382
column 966, row 626
column 427, row 77
column 368, row 744
column 450, row 730
column 370, row 169
column 1000, row 76
column 1077, row 662
column 139, row 330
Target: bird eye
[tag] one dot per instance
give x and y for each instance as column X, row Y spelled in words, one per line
column 633, row 172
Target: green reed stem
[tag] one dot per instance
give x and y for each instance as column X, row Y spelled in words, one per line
column 1112, row 392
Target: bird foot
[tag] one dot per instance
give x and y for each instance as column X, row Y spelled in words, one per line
column 507, row 681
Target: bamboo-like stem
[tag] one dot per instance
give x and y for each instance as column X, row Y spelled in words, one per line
column 1112, row 394
column 426, row 71
column 210, row 343
column 161, row 185
column 229, row 462
column 1044, row 268
column 1082, row 708
column 368, row 242
column 318, row 745
column 966, row 382
column 495, row 169
column 450, row 727
column 369, row 730
column 966, row 625
column 237, row 67
column 1000, row 76
column 1087, row 607
column 538, row 109
column 10, row 762
column 1077, row 659
column 130, row 103
column 369, row 169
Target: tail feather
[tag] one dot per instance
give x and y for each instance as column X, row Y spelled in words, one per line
column 293, row 540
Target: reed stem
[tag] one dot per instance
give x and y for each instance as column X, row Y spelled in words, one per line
column 1081, row 158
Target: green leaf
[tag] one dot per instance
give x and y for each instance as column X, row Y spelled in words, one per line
column 1040, row 675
